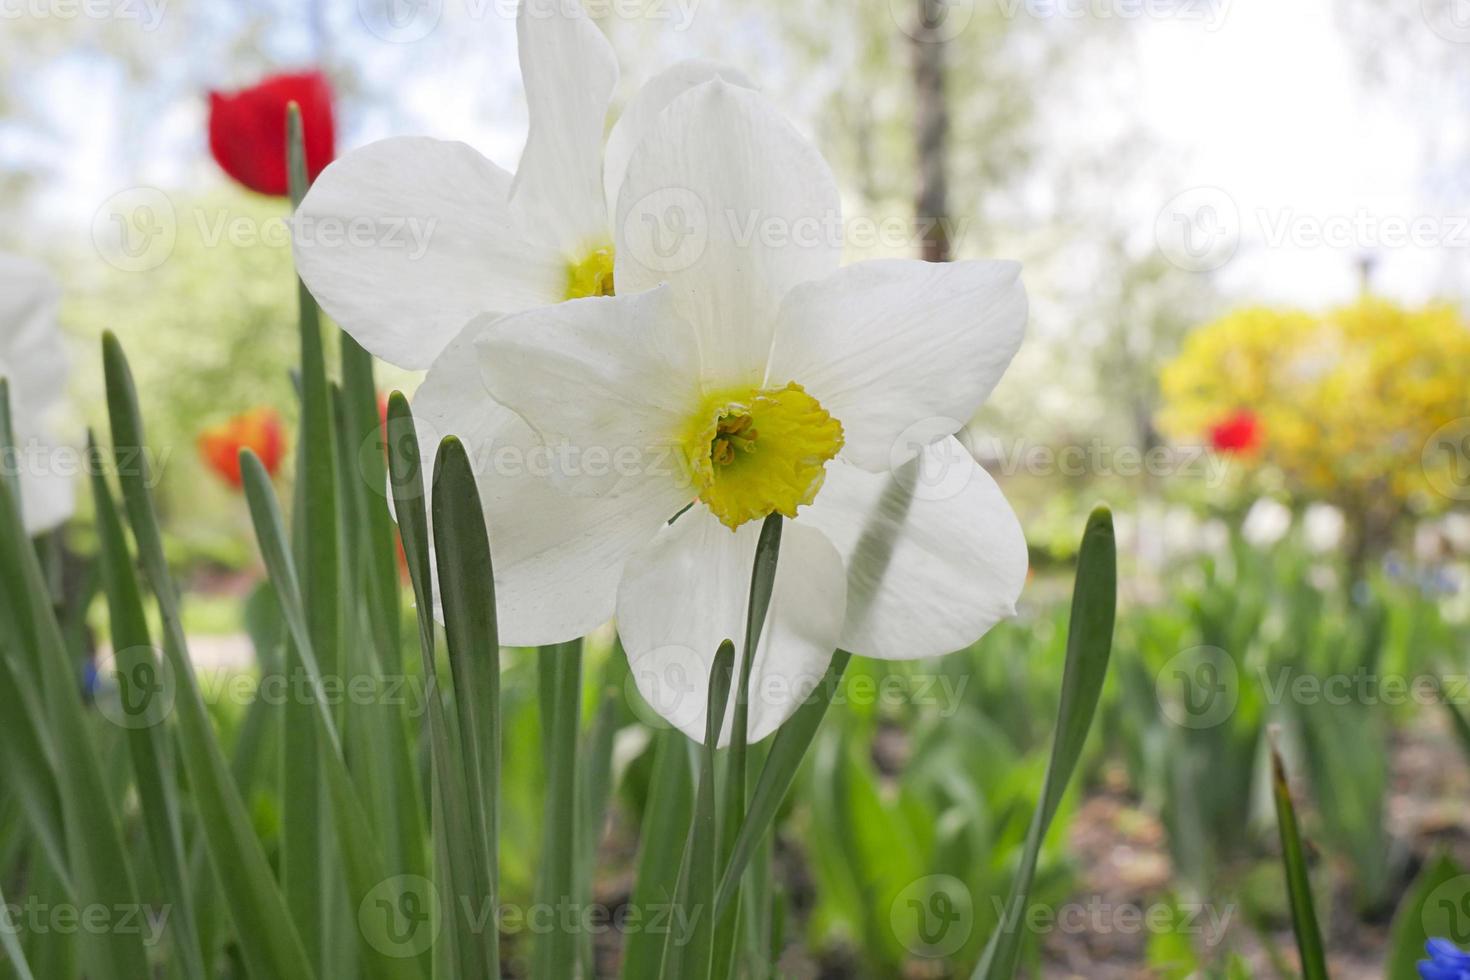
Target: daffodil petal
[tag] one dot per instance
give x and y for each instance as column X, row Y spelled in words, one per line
column 402, row 242
column 611, row 379
column 935, row 555
column 32, row 353
column 637, row 118
column 570, row 72
column 903, row 352
column 686, row 592
column 727, row 203
column 47, row 478
column 558, row 558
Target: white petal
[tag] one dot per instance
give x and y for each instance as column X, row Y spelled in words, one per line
column 935, row 555
column 902, row 353
column 570, row 72
column 402, row 242
column 558, row 558
column 726, row 202
column 32, row 353
column 633, row 125
column 47, row 478
column 613, row 376
column 687, row 591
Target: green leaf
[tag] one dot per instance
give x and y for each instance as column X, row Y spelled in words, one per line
column 665, row 817
column 14, row 955
column 758, row 602
column 97, row 860
column 369, row 882
column 450, row 817
column 302, row 843
column 1437, row 905
column 1089, row 645
column 1298, row 881
column 788, row 748
column 145, row 720
column 690, row 943
column 560, row 671
column 256, row 905
column 467, row 590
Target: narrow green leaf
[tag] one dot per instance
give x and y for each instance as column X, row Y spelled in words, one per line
column 256, row 905
column 1298, row 880
column 97, row 861
column 302, row 845
column 368, row 879
column 14, row 955
column 1089, row 645
column 467, row 591
column 146, row 709
column 660, row 848
column 30, row 765
column 463, row 953
column 690, row 943
column 560, row 671
column 788, row 748
column 758, row 602
column 1459, row 723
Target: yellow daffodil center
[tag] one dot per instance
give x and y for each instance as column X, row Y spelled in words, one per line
column 756, row 451
column 592, row 275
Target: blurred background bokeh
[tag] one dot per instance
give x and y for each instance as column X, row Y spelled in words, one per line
column 1245, row 229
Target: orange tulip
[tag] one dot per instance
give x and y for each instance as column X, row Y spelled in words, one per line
column 259, row 430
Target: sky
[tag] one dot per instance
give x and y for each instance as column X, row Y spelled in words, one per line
column 1279, row 163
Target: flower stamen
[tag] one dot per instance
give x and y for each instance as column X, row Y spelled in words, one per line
column 757, row 451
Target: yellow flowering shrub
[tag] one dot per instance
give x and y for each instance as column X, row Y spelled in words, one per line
column 1343, row 404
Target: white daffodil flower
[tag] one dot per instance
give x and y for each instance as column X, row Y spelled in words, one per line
column 403, row 242
column 33, row 360
column 739, row 373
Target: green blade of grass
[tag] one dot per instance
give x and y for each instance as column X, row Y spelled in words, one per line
column 15, row 957
column 1089, row 646
column 271, row 947
column 560, row 670
column 758, row 602
column 1298, row 881
column 665, row 817
column 689, row 945
column 595, row 777
column 30, row 765
column 783, row 761
column 302, row 844
column 97, row 866
column 450, row 816
column 467, row 592
column 367, row 873
column 147, row 733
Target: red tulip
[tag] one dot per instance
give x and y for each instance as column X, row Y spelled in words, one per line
column 259, row 430
column 247, row 129
column 1238, row 432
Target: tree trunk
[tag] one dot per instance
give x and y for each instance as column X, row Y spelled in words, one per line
column 931, row 118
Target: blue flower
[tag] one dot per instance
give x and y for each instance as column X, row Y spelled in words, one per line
column 1446, row 962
